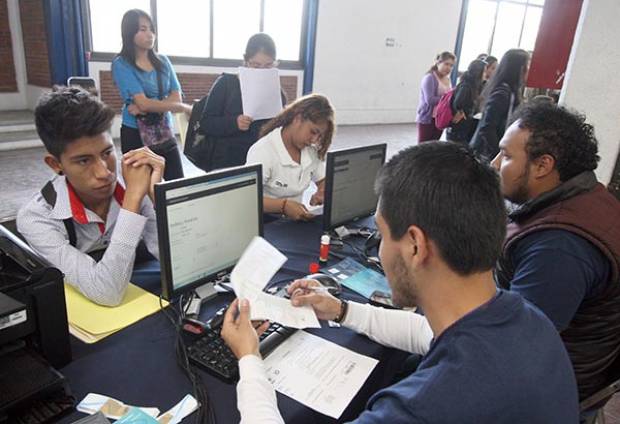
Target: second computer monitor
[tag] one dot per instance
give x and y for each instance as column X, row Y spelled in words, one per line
column 349, row 184
column 204, row 225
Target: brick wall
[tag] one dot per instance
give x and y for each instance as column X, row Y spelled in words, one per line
column 35, row 42
column 195, row 86
column 8, row 83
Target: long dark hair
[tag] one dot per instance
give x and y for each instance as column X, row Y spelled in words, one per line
column 473, row 76
column 441, row 57
column 313, row 107
column 490, row 60
column 260, row 42
column 130, row 26
column 509, row 71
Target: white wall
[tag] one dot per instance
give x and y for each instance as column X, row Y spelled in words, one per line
column 591, row 85
column 15, row 101
column 367, row 81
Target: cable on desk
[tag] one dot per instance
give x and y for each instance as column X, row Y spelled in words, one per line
column 363, row 256
column 205, row 414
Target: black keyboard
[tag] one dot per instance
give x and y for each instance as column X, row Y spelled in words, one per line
column 210, row 352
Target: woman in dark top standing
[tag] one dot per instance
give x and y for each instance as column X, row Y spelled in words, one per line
column 503, row 95
column 489, row 71
column 229, row 133
column 465, row 103
column 490, row 68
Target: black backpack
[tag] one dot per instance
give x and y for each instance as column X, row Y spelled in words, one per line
column 197, row 149
column 49, row 195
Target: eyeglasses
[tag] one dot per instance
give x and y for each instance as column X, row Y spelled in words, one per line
column 257, row 65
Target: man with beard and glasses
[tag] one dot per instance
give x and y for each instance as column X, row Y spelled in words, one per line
column 562, row 249
column 489, row 355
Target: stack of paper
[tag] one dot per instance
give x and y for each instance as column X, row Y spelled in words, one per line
column 90, row 322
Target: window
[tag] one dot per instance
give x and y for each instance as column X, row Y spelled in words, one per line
column 495, row 26
column 106, row 28
column 209, row 32
column 229, row 39
column 286, row 31
column 181, row 33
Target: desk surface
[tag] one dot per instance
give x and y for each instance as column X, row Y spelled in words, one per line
column 138, row 364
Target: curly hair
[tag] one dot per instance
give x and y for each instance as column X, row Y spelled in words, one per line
column 67, row 114
column 561, row 133
column 313, row 107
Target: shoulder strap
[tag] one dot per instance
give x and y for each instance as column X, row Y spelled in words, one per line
column 49, row 195
column 510, row 108
column 160, row 89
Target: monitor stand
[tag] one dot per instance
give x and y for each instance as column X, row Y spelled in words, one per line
column 344, row 232
column 201, row 294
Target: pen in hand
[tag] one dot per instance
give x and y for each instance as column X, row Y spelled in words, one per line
column 316, row 289
column 319, row 289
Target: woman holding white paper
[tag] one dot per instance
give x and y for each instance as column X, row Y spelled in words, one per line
column 229, row 133
column 292, row 152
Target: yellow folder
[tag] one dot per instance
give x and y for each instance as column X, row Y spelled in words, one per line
column 90, row 322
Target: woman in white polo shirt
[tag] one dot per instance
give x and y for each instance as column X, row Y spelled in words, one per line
column 292, row 150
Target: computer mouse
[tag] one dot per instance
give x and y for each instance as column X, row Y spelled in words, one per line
column 333, row 286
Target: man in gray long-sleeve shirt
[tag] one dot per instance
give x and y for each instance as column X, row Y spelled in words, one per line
column 84, row 221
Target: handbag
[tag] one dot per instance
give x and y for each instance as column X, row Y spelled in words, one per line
column 154, row 128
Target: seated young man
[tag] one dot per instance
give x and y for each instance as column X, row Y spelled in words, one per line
column 84, row 221
column 489, row 355
column 562, row 250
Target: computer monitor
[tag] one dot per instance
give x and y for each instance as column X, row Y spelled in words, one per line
column 204, row 225
column 349, row 184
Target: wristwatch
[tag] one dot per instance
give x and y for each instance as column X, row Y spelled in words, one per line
column 344, row 307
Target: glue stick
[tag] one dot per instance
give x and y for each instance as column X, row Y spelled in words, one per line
column 324, row 251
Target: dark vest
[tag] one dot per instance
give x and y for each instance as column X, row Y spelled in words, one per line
column 585, row 208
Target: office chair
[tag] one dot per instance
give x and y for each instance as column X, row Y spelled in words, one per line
column 87, row 83
column 596, row 402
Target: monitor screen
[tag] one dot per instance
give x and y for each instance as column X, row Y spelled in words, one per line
column 349, row 184
column 204, row 225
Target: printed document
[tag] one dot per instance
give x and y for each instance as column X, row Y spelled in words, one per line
column 317, row 373
column 260, row 92
column 258, row 264
column 305, row 200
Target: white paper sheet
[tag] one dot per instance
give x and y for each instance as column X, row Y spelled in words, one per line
column 110, row 407
column 305, row 200
column 175, row 415
column 255, row 268
column 260, row 92
column 314, row 210
column 318, row 373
